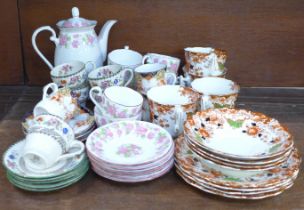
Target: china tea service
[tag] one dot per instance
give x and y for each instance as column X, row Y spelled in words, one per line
column 146, row 119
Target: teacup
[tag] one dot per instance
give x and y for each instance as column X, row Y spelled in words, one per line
column 71, row 74
column 172, row 63
column 111, row 75
column 59, row 103
column 170, row 105
column 126, row 58
column 102, row 118
column 216, row 92
column 81, row 93
column 52, row 124
column 205, row 61
column 148, row 76
column 42, row 151
column 117, row 101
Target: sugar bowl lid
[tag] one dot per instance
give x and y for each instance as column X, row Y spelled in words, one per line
column 76, row 21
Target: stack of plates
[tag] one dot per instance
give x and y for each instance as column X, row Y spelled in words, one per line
column 61, row 175
column 237, row 154
column 82, row 124
column 130, row 151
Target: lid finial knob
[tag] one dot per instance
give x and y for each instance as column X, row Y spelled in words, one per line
column 75, row 12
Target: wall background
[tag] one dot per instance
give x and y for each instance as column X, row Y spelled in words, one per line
column 264, row 39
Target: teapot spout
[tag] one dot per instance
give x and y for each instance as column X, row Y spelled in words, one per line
column 103, row 38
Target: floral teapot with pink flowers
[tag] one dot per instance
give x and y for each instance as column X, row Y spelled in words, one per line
column 77, row 40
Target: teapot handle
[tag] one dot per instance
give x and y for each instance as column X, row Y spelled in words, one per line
column 52, row 38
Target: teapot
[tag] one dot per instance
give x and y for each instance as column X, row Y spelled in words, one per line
column 77, row 40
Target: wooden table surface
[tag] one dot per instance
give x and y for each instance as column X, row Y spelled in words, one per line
column 167, row 192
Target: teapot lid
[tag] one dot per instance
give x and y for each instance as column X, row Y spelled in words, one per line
column 76, row 21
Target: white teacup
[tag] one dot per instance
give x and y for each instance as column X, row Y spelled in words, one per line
column 216, row 92
column 59, row 103
column 126, row 58
column 42, row 151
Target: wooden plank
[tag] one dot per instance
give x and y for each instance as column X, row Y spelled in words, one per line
column 264, row 39
column 11, row 69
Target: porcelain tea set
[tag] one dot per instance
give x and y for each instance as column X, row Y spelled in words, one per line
column 141, row 105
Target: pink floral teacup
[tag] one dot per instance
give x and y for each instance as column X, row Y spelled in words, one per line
column 72, row 74
column 117, row 101
column 172, row 63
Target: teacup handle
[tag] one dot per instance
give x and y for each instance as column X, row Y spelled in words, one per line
column 170, row 78
column 180, row 119
column 145, row 58
column 74, row 144
column 205, row 102
column 52, row 86
column 98, row 91
column 124, row 71
column 87, row 64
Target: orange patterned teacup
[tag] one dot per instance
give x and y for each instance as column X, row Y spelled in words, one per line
column 170, row 105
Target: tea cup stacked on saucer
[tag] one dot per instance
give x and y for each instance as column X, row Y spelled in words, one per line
column 116, row 103
column 60, row 103
column 203, row 62
column 49, row 158
column 73, row 75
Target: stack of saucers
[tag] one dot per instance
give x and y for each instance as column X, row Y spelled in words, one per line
column 61, row 175
column 237, row 154
column 82, row 124
column 130, row 151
